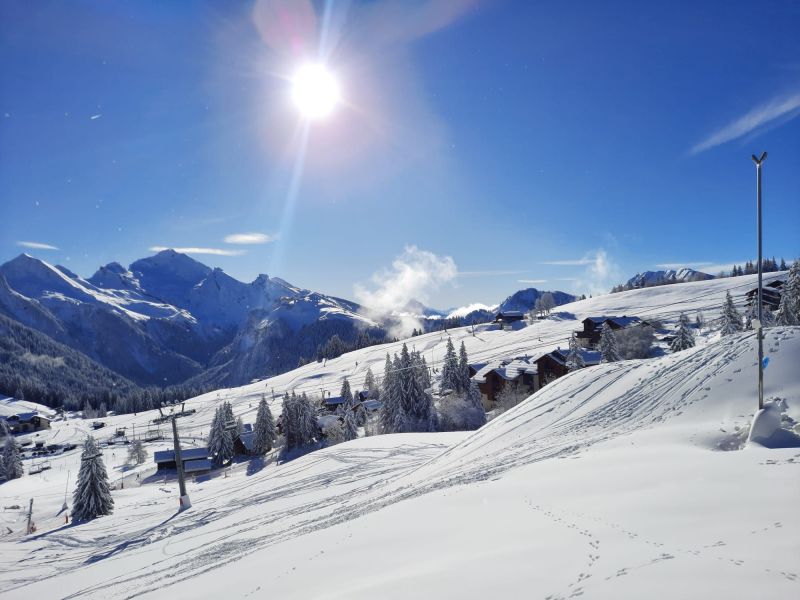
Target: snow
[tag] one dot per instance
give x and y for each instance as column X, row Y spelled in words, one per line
column 609, row 483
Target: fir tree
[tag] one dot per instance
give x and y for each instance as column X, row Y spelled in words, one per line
column 699, row 320
column 264, row 434
column 345, row 393
column 392, row 417
column 731, row 319
column 473, row 401
column 792, row 289
column 449, row 368
column 783, row 265
column 608, row 344
column 12, row 462
column 785, row 314
column 350, row 428
column 463, row 369
column 575, row 355
column 684, row 337
column 92, row 495
column 369, row 383
column 220, row 439
column 136, row 453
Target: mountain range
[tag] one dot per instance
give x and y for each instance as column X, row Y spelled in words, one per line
column 665, row 277
column 168, row 319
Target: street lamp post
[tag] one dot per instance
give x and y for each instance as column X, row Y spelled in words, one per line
column 758, row 162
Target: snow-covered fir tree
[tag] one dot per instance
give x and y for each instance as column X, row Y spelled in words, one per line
column 220, row 439
column 731, row 320
column 392, row 417
column 786, row 314
column 475, row 405
column 684, row 337
column 608, row 344
column 575, row 355
column 350, row 425
column 136, row 453
column 345, row 393
column 12, row 461
column 264, row 433
column 463, row 369
column 92, row 495
column 299, row 421
column 699, row 320
column 449, row 368
column 417, row 403
column 369, row 383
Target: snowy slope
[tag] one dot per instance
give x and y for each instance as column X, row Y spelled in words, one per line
column 609, row 483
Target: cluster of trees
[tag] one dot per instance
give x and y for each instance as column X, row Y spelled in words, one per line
column 543, row 305
column 768, row 265
column 406, row 404
column 684, row 336
column 222, row 435
column 789, row 309
column 336, row 346
column 10, row 460
column 460, row 406
column 299, row 421
column 788, row 312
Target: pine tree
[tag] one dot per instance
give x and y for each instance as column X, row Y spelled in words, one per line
column 345, row 393
column 684, row 337
column 264, row 434
column 392, row 417
column 307, row 420
column 785, row 314
column 220, row 439
column 369, row 383
column 92, row 495
column 136, row 453
column 473, row 401
column 449, row 368
column 575, row 355
column 699, row 320
column 731, row 319
column 350, row 425
column 608, row 344
column 463, row 369
column 12, row 462
column 792, row 289
column 783, row 265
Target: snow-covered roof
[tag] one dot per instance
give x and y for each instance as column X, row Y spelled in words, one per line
column 24, row 417
column 334, row 401
column 247, row 438
column 590, row 357
column 162, row 456
column 193, row 466
column 507, row 368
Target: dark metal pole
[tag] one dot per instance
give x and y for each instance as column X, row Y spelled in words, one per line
column 758, row 162
column 184, row 500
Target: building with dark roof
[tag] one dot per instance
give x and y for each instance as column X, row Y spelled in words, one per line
column 592, row 326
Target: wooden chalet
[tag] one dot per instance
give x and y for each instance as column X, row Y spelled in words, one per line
column 553, row 365
column 27, row 422
column 165, row 459
column 770, row 295
column 592, row 326
column 494, row 376
column 507, row 317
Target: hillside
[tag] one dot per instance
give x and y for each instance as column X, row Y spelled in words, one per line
column 608, row 483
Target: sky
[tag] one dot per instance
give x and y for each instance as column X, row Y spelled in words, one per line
column 479, row 147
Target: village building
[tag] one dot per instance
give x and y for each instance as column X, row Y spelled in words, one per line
column 770, row 295
column 592, row 326
column 553, row 365
column 507, row 317
column 26, row 422
column 165, row 459
column 494, row 376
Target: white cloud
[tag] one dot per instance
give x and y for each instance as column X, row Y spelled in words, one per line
column 37, row 246
column 193, row 250
column 250, row 238
column 531, row 280
column 413, row 275
column 784, row 107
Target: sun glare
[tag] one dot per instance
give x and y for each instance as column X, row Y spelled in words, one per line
column 315, row 91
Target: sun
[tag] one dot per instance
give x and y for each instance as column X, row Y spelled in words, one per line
column 315, row 91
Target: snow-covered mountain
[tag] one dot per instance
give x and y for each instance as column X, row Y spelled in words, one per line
column 168, row 317
column 651, row 278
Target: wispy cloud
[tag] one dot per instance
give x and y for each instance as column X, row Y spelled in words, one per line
column 37, row 246
column 413, row 275
column 489, row 273
column 567, row 279
column 531, row 280
column 785, row 108
column 193, row 250
column 250, row 238
column 599, row 275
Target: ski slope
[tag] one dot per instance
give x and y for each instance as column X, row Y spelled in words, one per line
column 611, row 482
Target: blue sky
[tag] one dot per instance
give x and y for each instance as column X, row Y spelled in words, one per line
column 481, row 147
